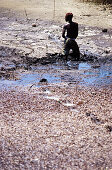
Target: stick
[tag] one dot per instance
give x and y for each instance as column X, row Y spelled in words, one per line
column 54, row 10
column 26, row 14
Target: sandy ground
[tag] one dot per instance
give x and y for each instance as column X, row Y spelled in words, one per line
column 84, row 13
column 54, row 126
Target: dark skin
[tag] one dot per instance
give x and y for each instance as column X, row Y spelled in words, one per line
column 72, row 32
column 63, row 33
column 64, row 30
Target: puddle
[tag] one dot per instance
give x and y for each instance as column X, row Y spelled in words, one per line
column 29, row 79
column 70, row 72
column 99, row 76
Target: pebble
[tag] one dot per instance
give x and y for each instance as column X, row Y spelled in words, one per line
column 104, row 30
column 43, row 80
column 80, row 103
column 34, row 25
column 109, row 128
column 97, row 66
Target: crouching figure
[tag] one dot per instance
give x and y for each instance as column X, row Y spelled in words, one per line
column 71, row 31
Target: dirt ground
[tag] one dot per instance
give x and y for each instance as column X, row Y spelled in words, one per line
column 56, row 127
column 20, row 39
column 17, row 31
column 53, row 126
column 84, row 13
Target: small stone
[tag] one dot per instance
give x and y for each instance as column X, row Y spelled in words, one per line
column 88, row 114
column 109, row 128
column 80, row 103
column 34, row 25
column 97, row 66
column 43, row 80
column 95, row 119
column 107, row 52
column 104, row 30
column 104, row 9
column 2, row 69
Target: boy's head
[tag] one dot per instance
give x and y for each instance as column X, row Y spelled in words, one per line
column 68, row 17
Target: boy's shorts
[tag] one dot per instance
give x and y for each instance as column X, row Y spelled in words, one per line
column 71, row 44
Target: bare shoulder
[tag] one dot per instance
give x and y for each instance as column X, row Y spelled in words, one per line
column 66, row 26
column 75, row 23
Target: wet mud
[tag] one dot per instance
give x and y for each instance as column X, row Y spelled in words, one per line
column 27, row 43
column 25, row 46
column 54, row 68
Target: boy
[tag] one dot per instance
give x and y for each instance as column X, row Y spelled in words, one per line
column 72, row 32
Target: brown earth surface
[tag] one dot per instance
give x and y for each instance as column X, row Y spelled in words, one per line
column 53, row 126
column 30, row 28
column 56, row 127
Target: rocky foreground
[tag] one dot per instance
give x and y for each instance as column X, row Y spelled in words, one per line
column 60, row 127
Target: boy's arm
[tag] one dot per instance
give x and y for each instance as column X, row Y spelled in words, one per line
column 63, row 32
column 76, row 32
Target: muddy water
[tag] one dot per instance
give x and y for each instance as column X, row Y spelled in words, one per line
column 70, row 72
